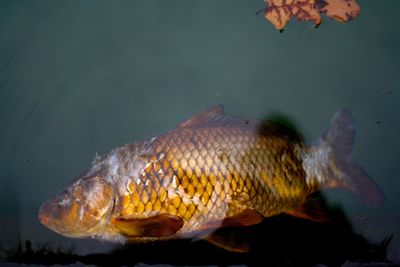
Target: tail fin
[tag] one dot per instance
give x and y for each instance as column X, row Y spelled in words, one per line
column 344, row 171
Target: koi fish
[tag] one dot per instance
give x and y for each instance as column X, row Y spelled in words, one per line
column 211, row 171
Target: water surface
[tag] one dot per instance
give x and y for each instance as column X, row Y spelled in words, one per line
column 83, row 77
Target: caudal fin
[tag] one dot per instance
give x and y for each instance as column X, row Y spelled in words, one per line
column 344, row 171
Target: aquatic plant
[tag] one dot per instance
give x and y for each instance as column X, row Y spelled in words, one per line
column 43, row 254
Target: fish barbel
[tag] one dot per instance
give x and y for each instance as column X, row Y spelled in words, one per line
column 211, row 171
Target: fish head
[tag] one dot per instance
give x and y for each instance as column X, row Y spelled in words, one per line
column 82, row 208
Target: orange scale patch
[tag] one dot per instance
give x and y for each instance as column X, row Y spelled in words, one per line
column 140, row 207
column 165, row 164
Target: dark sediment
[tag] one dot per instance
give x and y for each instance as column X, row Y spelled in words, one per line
column 278, row 241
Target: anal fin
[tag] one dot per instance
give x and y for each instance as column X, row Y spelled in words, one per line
column 227, row 241
column 312, row 209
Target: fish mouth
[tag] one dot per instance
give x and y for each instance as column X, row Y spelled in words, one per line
column 50, row 216
column 56, row 225
column 43, row 218
column 47, row 217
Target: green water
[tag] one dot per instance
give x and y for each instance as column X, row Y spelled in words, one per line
column 80, row 77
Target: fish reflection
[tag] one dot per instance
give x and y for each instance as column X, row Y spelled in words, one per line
column 211, row 171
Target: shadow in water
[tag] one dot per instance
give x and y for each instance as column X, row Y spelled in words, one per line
column 277, row 241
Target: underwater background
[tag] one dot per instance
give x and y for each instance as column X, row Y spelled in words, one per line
column 83, row 77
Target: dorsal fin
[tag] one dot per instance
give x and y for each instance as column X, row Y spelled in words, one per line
column 215, row 117
column 203, row 118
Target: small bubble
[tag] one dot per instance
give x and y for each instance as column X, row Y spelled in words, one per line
column 361, row 218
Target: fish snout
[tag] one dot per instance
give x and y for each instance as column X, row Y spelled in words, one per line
column 43, row 218
column 57, row 214
column 49, row 215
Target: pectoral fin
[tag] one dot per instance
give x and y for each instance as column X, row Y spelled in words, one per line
column 162, row 225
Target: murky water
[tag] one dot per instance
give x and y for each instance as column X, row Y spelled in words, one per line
column 82, row 77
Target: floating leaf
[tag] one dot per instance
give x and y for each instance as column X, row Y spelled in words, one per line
column 279, row 12
column 340, row 10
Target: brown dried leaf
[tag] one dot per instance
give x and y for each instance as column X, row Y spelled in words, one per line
column 340, row 10
column 279, row 12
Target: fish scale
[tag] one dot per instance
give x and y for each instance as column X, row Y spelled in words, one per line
column 201, row 176
column 211, row 171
